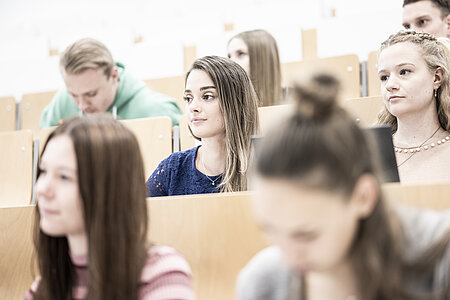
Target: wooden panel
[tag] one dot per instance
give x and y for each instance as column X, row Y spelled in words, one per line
column 309, row 43
column 364, row 109
column 32, row 106
column 187, row 141
column 16, row 251
column 16, row 157
column 345, row 67
column 7, row 114
column 270, row 116
column 190, row 55
column 155, row 140
column 170, row 86
column 43, row 135
column 216, row 233
column 373, row 81
column 430, row 196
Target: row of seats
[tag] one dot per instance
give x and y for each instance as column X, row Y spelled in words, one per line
column 347, row 68
column 19, row 150
column 216, row 233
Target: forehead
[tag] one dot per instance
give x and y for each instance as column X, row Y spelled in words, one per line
column 198, row 79
column 237, row 44
column 85, row 81
column 400, row 53
column 287, row 205
column 418, row 9
column 59, row 152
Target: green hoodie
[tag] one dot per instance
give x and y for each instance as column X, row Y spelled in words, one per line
column 133, row 100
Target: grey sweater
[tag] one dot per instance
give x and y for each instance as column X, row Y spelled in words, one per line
column 266, row 277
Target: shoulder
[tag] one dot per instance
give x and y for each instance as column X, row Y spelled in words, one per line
column 182, row 159
column 166, row 275
column 422, row 228
column 264, row 277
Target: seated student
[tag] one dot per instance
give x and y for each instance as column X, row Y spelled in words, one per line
column 257, row 52
column 222, row 111
column 90, row 229
column 95, row 84
column 430, row 16
column 414, row 69
column 318, row 199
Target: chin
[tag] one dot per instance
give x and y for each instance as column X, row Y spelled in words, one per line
column 51, row 230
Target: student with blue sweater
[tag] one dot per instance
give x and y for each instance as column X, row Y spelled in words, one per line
column 222, row 110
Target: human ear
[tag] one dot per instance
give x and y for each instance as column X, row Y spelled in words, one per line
column 447, row 23
column 365, row 195
column 115, row 73
column 438, row 75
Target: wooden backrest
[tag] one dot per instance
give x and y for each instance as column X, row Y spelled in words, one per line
column 155, row 140
column 16, row 251
column 430, row 196
column 7, row 114
column 170, row 86
column 364, row 109
column 16, row 167
column 187, row 141
column 345, row 67
column 32, row 106
column 43, row 135
column 373, row 81
column 216, row 233
column 270, row 116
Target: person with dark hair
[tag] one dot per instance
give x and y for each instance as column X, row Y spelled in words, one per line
column 91, row 223
column 430, row 16
column 318, row 198
column 257, row 52
column 222, row 111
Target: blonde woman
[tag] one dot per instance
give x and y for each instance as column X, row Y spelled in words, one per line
column 415, row 84
column 257, row 52
column 222, row 110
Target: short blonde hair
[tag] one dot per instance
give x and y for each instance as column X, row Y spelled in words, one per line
column 85, row 54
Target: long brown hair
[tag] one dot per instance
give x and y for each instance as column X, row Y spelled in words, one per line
column 264, row 61
column 320, row 146
column 436, row 55
column 111, row 183
column 239, row 104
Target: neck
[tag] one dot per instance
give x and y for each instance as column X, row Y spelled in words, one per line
column 415, row 129
column 78, row 244
column 338, row 283
column 212, row 155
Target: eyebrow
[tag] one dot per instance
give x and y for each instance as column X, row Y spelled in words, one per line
column 398, row 66
column 202, row 88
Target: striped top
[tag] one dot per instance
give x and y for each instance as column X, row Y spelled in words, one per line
column 165, row 276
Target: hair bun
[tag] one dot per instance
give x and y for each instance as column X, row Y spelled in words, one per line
column 316, row 95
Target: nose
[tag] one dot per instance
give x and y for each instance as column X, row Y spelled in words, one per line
column 194, row 106
column 391, row 84
column 83, row 104
column 44, row 187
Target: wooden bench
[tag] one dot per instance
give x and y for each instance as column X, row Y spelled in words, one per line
column 364, row 109
column 32, row 106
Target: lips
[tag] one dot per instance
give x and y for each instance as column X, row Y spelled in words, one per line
column 47, row 211
column 395, row 98
column 197, row 120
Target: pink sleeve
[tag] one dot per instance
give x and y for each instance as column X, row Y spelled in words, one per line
column 166, row 276
column 34, row 286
